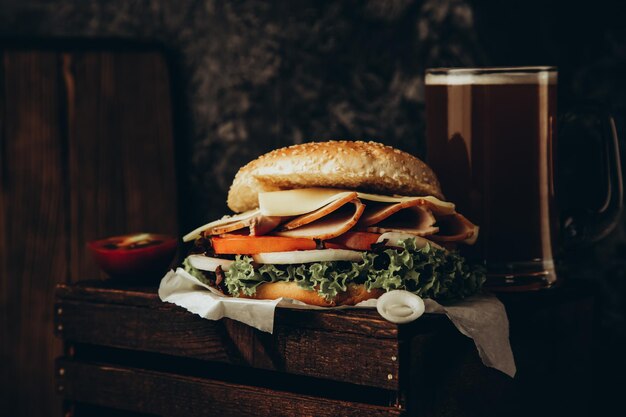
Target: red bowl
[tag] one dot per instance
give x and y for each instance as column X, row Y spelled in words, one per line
column 138, row 256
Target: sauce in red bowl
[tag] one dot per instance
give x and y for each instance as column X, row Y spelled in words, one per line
column 139, row 256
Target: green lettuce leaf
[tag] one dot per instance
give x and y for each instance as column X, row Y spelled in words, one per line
column 428, row 272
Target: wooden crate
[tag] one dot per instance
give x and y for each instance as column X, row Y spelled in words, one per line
column 127, row 350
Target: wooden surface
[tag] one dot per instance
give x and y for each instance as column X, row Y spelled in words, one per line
column 33, row 231
column 86, row 151
column 334, row 362
column 321, row 344
column 171, row 395
column 120, row 149
column 117, row 334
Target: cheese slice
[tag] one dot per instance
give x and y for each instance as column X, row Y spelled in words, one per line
column 305, row 200
column 299, row 201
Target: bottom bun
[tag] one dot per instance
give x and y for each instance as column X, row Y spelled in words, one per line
column 353, row 295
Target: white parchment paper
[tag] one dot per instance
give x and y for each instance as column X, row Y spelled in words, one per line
column 481, row 317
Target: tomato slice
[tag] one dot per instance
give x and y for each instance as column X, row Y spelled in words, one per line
column 356, row 240
column 247, row 245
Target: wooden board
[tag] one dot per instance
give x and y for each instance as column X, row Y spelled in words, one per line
column 86, row 151
column 120, row 149
column 33, row 232
column 174, row 395
column 436, row 371
column 359, row 321
column 309, row 343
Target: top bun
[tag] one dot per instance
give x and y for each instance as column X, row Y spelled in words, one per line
column 363, row 166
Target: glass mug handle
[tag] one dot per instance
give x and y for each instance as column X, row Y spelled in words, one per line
column 584, row 225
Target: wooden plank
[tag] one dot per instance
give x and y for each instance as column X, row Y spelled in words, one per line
column 121, row 154
column 170, row 332
column 174, row 395
column 347, row 357
column 33, row 232
column 173, row 331
column 358, row 321
column 87, row 410
column 109, row 293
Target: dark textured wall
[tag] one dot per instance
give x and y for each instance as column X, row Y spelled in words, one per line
column 258, row 75
column 254, row 75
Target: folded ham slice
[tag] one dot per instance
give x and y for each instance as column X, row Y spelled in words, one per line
column 421, row 216
column 325, row 213
column 456, row 228
column 407, row 216
column 256, row 223
column 299, row 221
column 325, row 223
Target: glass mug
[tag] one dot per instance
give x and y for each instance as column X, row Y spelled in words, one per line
column 491, row 139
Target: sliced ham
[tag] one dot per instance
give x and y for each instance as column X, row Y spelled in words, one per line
column 437, row 206
column 196, row 233
column 414, row 231
column 329, row 224
column 256, row 223
column 323, row 213
column 299, row 221
column 420, row 216
column 456, row 228
column 410, row 216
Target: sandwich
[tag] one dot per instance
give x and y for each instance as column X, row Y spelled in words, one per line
column 335, row 223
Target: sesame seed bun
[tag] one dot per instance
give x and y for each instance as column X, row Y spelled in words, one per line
column 355, row 165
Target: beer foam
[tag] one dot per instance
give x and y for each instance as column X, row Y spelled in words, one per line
column 491, row 76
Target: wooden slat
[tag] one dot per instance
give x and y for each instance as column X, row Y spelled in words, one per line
column 88, row 410
column 170, row 332
column 359, row 321
column 346, row 357
column 33, row 238
column 173, row 395
column 66, row 119
column 108, row 293
column 358, row 359
column 121, row 154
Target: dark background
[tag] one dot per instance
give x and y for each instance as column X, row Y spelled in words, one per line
column 249, row 76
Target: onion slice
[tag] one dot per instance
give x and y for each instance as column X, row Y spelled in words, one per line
column 307, row 256
column 206, row 263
